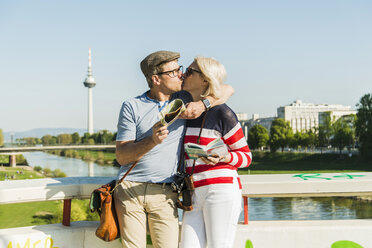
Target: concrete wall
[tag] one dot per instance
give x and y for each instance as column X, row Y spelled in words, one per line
column 258, row 234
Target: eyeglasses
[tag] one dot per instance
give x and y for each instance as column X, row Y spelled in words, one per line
column 189, row 71
column 172, row 73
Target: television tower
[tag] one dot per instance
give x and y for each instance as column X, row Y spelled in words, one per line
column 90, row 83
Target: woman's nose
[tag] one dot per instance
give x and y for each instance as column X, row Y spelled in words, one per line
column 181, row 76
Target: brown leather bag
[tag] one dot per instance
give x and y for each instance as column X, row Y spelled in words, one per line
column 102, row 201
column 108, row 228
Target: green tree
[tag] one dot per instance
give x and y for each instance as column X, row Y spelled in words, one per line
column 258, row 137
column 364, row 125
column 309, row 139
column 104, row 137
column 75, row 138
column 46, row 139
column 297, row 140
column 64, row 139
column 32, row 141
column 86, row 137
column 1, row 137
column 325, row 132
column 344, row 133
column 281, row 134
column 53, row 140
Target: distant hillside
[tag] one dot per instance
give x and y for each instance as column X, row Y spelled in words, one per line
column 40, row 132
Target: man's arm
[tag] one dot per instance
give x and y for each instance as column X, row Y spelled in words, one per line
column 130, row 151
column 195, row 109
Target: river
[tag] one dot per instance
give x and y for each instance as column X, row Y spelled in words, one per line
column 319, row 208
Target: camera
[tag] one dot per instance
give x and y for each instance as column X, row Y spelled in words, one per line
column 179, row 182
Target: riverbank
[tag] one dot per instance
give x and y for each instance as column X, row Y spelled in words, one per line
column 263, row 162
column 20, row 160
column 289, row 162
column 18, row 173
column 100, row 157
column 38, row 213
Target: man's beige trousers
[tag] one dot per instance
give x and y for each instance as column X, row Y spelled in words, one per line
column 137, row 203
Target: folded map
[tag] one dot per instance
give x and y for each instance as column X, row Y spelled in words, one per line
column 215, row 147
column 171, row 112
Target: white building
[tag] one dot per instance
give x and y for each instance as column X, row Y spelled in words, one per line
column 248, row 123
column 305, row 116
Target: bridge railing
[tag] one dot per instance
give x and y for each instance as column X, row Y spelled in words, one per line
column 295, row 233
column 274, row 185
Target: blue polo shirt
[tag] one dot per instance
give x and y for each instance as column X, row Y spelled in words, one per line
column 136, row 118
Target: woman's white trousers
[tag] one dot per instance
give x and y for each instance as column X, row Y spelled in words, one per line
column 214, row 219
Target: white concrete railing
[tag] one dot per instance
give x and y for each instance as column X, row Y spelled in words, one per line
column 283, row 234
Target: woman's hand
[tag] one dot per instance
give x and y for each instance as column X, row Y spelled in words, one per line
column 214, row 159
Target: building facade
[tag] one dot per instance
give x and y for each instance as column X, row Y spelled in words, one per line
column 249, row 123
column 308, row 116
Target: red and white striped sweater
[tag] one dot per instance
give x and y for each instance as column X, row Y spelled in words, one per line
column 221, row 122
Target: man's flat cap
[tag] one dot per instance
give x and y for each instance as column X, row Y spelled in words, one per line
column 149, row 64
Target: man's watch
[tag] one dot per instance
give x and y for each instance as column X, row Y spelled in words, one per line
column 206, row 103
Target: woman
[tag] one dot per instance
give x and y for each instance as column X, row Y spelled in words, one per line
column 217, row 195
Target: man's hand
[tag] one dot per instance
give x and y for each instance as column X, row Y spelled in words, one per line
column 193, row 110
column 159, row 133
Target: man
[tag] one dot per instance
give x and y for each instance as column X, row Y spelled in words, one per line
column 145, row 196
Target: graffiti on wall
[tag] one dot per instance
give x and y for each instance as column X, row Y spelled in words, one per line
column 47, row 243
column 338, row 244
column 309, row 176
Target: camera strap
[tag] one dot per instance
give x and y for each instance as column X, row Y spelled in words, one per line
column 183, row 149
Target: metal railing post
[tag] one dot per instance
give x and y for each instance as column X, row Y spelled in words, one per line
column 245, row 199
column 66, row 212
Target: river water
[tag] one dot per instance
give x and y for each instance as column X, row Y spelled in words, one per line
column 319, row 208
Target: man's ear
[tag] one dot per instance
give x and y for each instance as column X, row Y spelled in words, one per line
column 155, row 79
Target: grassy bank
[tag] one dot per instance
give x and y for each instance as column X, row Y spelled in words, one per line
column 20, row 160
column 18, row 173
column 95, row 156
column 38, row 213
column 288, row 162
column 41, row 213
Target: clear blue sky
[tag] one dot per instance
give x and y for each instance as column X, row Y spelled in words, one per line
column 274, row 51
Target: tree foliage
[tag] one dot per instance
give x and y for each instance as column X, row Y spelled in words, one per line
column 75, row 138
column 47, row 139
column 1, row 138
column 281, row 134
column 325, row 132
column 344, row 134
column 364, row 125
column 258, row 137
column 64, row 139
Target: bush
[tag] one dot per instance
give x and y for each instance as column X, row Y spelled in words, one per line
column 47, row 172
column 38, row 168
column 20, row 159
column 58, row 173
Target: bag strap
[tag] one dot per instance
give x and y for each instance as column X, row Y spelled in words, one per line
column 126, row 173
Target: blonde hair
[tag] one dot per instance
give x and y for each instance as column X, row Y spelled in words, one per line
column 214, row 73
